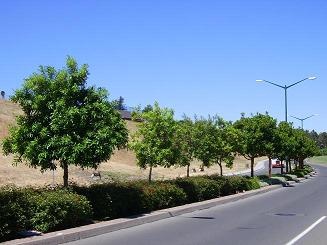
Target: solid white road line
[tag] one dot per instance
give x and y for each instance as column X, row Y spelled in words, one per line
column 298, row 237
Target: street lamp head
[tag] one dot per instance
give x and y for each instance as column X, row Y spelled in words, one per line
column 312, row 78
column 259, row 80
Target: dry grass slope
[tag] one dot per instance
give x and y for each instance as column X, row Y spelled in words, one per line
column 121, row 166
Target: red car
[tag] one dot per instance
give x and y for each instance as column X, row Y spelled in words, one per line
column 277, row 164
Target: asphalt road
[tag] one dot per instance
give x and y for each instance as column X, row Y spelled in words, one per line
column 276, row 217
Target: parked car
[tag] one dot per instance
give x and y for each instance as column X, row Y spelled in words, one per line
column 277, row 163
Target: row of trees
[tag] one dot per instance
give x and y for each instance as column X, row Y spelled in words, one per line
column 65, row 122
column 319, row 138
column 163, row 141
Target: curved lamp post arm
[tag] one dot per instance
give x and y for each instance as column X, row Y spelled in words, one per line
column 262, row 80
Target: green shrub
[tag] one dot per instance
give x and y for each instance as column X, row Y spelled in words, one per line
column 60, row 209
column 113, row 200
column 199, row 188
column 252, row 183
column 234, row 184
column 15, row 211
column 299, row 173
column 287, row 177
column 308, row 169
column 160, row 195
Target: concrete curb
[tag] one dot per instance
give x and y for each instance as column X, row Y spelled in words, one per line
column 82, row 232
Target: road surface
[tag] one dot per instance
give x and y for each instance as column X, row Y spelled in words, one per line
column 290, row 215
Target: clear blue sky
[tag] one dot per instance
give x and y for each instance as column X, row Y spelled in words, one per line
column 197, row 57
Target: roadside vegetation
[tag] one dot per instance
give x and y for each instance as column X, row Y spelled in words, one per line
column 65, row 122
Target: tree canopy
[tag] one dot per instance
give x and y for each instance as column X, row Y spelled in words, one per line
column 153, row 142
column 64, row 121
column 255, row 136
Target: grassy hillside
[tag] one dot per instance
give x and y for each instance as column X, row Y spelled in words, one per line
column 8, row 111
column 121, row 166
column 319, row 159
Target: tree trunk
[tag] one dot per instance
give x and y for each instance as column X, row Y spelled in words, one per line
column 150, row 174
column 286, row 166
column 252, row 166
column 290, row 166
column 301, row 164
column 65, row 167
column 281, row 167
column 221, row 169
column 270, row 165
column 188, row 171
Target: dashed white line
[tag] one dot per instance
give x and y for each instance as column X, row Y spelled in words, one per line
column 298, row 237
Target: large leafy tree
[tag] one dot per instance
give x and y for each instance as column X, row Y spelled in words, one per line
column 153, row 142
column 214, row 142
column 255, row 136
column 64, row 121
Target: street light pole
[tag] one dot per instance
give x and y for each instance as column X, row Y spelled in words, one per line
column 302, row 119
column 285, row 87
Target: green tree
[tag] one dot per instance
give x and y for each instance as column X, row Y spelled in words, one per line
column 205, row 139
column 306, row 147
column 285, row 144
column 147, row 108
column 270, row 132
column 214, row 142
column 64, row 121
column 153, row 141
column 322, row 140
column 184, row 143
column 254, row 137
column 223, row 145
column 119, row 104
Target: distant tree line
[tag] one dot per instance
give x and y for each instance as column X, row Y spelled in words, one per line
column 163, row 141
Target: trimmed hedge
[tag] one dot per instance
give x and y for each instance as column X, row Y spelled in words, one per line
column 113, row 200
column 121, row 199
column 60, row 209
column 160, row 195
column 198, row 188
column 235, row 184
column 43, row 210
column 50, row 210
column 15, row 211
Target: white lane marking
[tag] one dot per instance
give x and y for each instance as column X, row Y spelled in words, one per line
column 298, row 237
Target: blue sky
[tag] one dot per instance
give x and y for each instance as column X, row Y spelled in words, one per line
column 197, row 57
